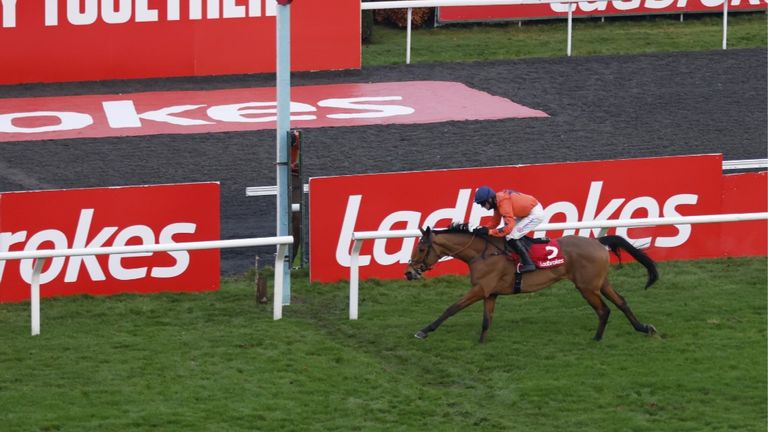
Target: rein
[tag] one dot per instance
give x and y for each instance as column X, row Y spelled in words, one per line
column 453, row 254
column 499, row 250
column 424, row 267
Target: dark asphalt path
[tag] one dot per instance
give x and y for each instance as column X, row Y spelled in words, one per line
column 601, row 108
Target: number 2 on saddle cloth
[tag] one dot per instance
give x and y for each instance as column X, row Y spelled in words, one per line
column 545, row 253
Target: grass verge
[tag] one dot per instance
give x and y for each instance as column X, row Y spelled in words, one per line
column 217, row 361
column 634, row 35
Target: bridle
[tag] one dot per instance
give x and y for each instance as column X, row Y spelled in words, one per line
column 430, row 247
column 423, row 262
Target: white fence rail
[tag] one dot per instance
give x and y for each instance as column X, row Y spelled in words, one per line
column 727, row 165
column 40, row 256
column 745, row 164
column 359, row 236
column 436, row 3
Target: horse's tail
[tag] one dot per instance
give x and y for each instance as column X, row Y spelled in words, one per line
column 615, row 243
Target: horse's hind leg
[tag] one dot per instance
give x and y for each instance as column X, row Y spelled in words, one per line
column 490, row 305
column 601, row 309
column 470, row 297
column 619, row 301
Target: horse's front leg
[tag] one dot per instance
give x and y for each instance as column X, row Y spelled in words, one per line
column 475, row 294
column 490, row 305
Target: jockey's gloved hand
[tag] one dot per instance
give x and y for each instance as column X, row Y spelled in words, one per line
column 481, row 230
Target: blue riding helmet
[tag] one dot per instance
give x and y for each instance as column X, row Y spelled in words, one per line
column 483, row 194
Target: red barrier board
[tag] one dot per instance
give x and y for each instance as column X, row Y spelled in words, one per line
column 745, row 193
column 103, row 217
column 24, row 119
column 569, row 192
column 81, row 40
column 591, row 8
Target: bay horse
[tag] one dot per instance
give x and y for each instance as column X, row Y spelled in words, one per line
column 492, row 273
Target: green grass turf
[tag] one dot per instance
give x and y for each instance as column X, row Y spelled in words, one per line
column 217, row 361
column 549, row 38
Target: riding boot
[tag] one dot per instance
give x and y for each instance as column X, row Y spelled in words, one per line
column 526, row 265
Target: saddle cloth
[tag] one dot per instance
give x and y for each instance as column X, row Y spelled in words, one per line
column 545, row 253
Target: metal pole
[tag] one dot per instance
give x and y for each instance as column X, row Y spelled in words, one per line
column 408, row 37
column 304, row 228
column 570, row 27
column 725, row 24
column 278, row 290
column 283, row 125
column 34, row 296
column 354, row 278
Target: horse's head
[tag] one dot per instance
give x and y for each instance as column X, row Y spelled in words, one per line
column 423, row 256
column 455, row 241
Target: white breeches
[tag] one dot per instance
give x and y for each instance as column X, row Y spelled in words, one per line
column 527, row 224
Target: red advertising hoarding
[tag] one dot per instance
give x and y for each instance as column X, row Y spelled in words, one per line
column 81, row 40
column 569, row 192
column 590, row 8
column 103, row 217
column 745, row 193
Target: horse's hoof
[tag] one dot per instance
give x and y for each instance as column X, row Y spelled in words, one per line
column 650, row 330
column 420, row 335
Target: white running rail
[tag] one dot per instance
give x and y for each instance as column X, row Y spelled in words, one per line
column 745, row 164
column 40, row 256
column 436, row 3
column 727, row 165
column 359, row 236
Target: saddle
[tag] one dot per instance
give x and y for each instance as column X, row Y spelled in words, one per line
column 544, row 252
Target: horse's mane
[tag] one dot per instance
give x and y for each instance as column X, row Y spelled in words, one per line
column 454, row 228
column 463, row 228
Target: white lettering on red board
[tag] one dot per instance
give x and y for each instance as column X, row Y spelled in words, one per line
column 628, row 5
column 123, row 114
column 8, row 9
column 88, row 12
column 85, row 237
column 413, row 220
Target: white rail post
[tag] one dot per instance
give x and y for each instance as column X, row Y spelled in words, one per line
column 34, row 296
column 725, row 24
column 354, row 278
column 277, row 302
column 408, row 37
column 570, row 28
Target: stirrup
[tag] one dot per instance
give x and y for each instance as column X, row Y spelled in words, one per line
column 522, row 268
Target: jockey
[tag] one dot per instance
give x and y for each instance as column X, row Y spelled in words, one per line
column 521, row 213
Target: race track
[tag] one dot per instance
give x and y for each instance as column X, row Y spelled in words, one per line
column 600, row 108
